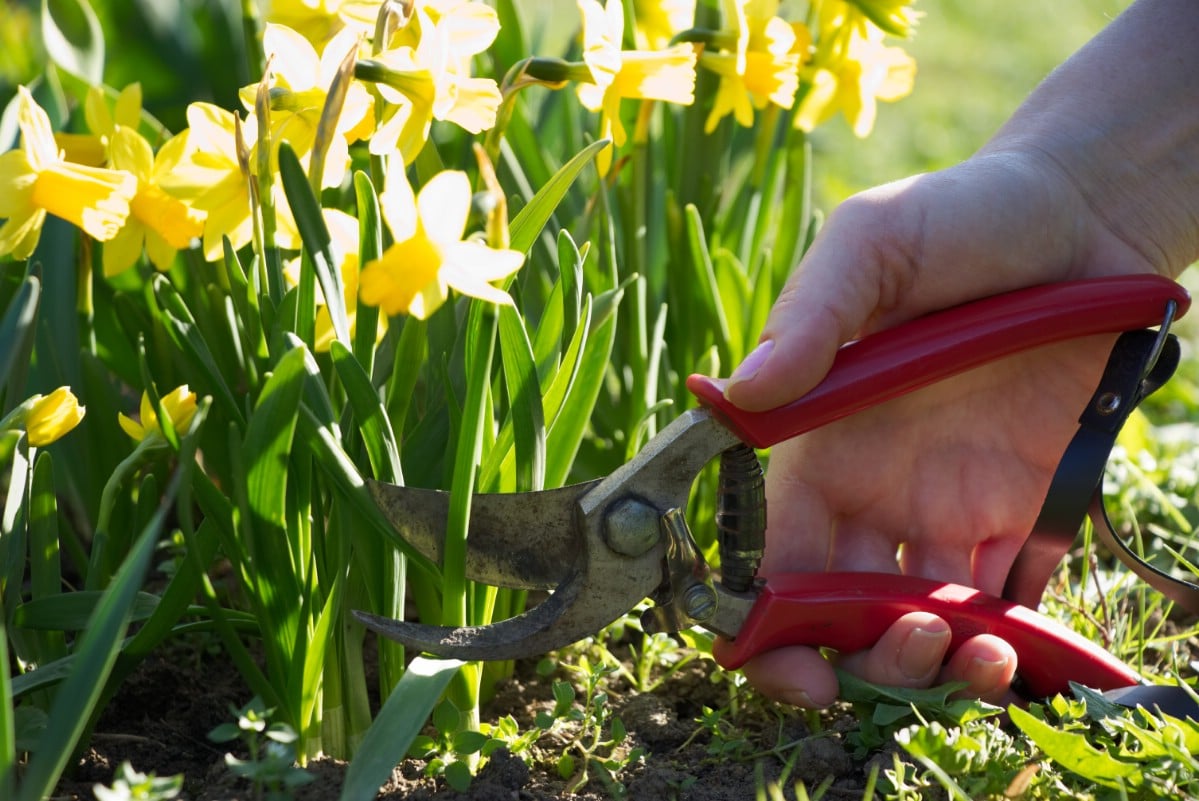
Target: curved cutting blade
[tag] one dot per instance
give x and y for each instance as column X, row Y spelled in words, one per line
column 526, row 540
column 596, row 592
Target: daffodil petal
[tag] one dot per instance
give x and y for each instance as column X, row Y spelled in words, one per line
column 129, row 151
column 20, row 233
column 123, row 250
column 443, row 206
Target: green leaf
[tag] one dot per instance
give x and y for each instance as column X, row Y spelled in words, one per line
column 571, row 422
column 524, row 400
column 396, row 727
column 181, row 327
column 469, row 742
column 16, row 339
column 704, row 278
column 377, row 434
column 76, row 698
column 370, row 247
column 271, row 544
column 457, row 776
column 570, row 268
column 73, row 38
column 1072, row 751
column 481, row 335
column 72, row 611
column 529, row 221
column 345, row 478
column 315, row 236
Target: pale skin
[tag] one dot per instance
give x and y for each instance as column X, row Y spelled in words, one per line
column 1097, row 173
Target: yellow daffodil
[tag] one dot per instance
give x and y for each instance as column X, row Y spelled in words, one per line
column 208, row 176
column 765, row 67
column 46, row 418
column 179, row 405
column 428, row 75
column 92, row 148
column 657, row 21
column 343, row 231
column 667, row 75
column 299, row 82
column 318, row 21
column 160, row 223
column 429, row 256
column 35, row 180
column 853, row 69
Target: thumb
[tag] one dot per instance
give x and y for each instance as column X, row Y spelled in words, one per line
column 855, row 272
column 889, row 254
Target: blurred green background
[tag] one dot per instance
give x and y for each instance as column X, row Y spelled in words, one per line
column 976, row 60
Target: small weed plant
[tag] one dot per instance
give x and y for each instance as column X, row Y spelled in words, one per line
column 271, row 765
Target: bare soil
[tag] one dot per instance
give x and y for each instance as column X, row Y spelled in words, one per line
column 159, row 721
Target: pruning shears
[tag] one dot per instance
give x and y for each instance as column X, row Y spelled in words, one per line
column 602, row 547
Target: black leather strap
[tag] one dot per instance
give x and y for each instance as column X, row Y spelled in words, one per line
column 1140, row 362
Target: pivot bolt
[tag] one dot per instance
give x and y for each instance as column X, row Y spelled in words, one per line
column 699, row 602
column 631, row 527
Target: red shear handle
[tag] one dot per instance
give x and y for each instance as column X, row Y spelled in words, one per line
column 850, row 611
column 893, row 362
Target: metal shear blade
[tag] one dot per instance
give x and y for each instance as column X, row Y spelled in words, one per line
column 599, row 546
column 524, row 541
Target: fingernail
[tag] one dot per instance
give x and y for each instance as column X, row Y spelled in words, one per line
column 921, row 652
column 984, row 674
column 752, row 364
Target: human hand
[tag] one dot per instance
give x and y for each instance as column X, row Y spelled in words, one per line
column 944, row 483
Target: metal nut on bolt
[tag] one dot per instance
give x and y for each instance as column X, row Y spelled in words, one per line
column 631, row 527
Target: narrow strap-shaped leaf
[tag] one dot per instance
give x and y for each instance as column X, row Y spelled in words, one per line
column 524, row 400
column 314, row 655
column 733, row 295
column 16, row 338
column 315, row 236
column 45, row 563
column 337, row 466
column 377, row 434
column 548, row 341
column 94, row 657
column 501, row 460
column 370, row 247
column 570, row 424
column 14, row 455
column 406, row 367
column 570, row 268
column 527, row 224
column 8, row 735
column 181, row 327
column 704, row 278
column 399, row 721
column 71, row 611
column 266, row 453
column 481, row 331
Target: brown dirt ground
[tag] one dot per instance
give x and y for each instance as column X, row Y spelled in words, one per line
column 159, row 721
